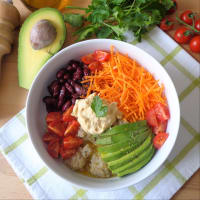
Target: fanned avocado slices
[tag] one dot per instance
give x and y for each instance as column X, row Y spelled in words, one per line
column 127, row 147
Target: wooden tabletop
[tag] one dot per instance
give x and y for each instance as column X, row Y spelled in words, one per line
column 12, row 100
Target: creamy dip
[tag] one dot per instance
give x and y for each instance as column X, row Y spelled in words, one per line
column 87, row 118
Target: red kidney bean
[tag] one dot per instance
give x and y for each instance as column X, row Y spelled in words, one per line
column 61, row 96
column 86, row 71
column 52, row 86
column 75, row 96
column 77, row 74
column 69, row 88
column 66, row 76
column 60, row 73
column 61, row 80
column 51, row 103
column 73, row 100
column 66, row 105
column 79, row 89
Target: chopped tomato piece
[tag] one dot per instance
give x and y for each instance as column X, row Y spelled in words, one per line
column 101, row 56
column 162, row 126
column 88, row 59
column 160, row 139
column 151, row 118
column 72, row 128
column 67, row 115
column 162, row 112
column 95, row 66
column 72, row 142
column 48, row 137
column 57, row 127
column 54, row 148
column 53, row 116
column 67, row 153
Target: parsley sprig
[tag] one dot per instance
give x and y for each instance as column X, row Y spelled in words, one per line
column 112, row 18
column 98, row 107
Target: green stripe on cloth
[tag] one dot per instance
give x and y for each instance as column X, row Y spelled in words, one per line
column 173, row 61
column 80, row 193
column 38, row 175
column 189, row 128
column 189, row 89
column 165, row 171
column 21, row 118
column 175, row 172
column 14, row 145
column 171, row 55
column 133, row 190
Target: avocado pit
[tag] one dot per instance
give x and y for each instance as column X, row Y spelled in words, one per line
column 42, row 34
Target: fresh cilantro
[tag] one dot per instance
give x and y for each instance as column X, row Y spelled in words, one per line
column 112, row 18
column 98, row 107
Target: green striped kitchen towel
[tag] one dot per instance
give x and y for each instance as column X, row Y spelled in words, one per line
column 180, row 165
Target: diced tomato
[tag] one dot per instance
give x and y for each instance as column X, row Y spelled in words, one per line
column 72, row 128
column 67, row 115
column 160, row 139
column 48, row 137
column 151, row 118
column 162, row 126
column 54, row 148
column 72, row 142
column 57, row 127
column 87, row 59
column 95, row 66
column 162, row 112
column 67, row 153
column 101, row 56
column 53, row 116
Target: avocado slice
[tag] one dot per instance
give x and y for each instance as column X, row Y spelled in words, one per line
column 130, row 142
column 129, row 157
column 108, row 157
column 121, row 136
column 135, row 161
column 30, row 61
column 125, row 128
column 137, row 166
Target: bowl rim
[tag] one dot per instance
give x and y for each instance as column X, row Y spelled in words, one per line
column 57, row 172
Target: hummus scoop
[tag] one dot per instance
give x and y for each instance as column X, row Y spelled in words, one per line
column 88, row 120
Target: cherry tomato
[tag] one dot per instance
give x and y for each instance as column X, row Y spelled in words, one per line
column 72, row 142
column 151, row 118
column 72, row 128
column 67, row 153
column 162, row 112
column 48, row 137
column 87, row 59
column 54, row 148
column 166, row 24
column 162, row 126
column 197, row 24
column 187, row 17
column 182, row 35
column 95, row 66
column 101, row 56
column 53, row 116
column 57, row 127
column 195, row 44
column 67, row 115
column 160, row 139
column 173, row 8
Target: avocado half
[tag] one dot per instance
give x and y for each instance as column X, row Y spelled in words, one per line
column 30, row 61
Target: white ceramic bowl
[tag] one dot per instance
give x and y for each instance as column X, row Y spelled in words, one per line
column 36, row 112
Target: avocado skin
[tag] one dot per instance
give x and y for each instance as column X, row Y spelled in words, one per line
column 146, row 153
column 129, row 157
column 107, row 157
column 137, row 166
column 30, row 61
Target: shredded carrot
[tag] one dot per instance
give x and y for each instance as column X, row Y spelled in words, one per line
column 124, row 81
